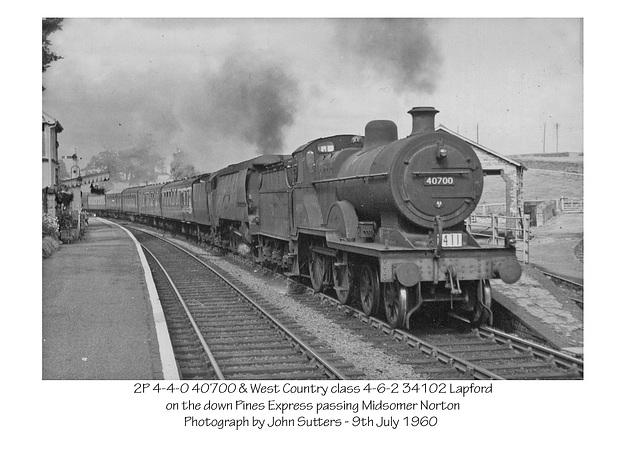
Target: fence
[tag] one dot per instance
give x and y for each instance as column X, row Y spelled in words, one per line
column 488, row 209
column 492, row 229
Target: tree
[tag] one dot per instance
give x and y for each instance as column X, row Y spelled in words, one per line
column 48, row 56
column 137, row 164
column 180, row 167
column 106, row 160
column 140, row 164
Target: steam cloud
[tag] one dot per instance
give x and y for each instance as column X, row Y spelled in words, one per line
column 401, row 49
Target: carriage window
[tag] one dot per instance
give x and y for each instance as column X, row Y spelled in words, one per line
column 326, row 146
column 311, row 161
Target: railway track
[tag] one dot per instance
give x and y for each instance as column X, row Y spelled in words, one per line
column 455, row 351
column 574, row 290
column 459, row 351
column 220, row 332
column 483, row 353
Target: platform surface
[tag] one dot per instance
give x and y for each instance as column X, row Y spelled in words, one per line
column 97, row 319
column 556, row 247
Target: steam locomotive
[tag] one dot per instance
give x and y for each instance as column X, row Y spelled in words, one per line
column 377, row 220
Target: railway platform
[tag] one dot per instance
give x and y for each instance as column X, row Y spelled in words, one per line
column 538, row 305
column 534, row 300
column 101, row 319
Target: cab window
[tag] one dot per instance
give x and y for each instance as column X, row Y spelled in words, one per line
column 326, row 146
column 311, row 161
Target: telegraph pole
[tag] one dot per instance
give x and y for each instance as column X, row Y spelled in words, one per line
column 544, row 137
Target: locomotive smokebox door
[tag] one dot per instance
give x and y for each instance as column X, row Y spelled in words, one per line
column 436, row 175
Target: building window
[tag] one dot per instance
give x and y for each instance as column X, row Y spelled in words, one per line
column 53, row 144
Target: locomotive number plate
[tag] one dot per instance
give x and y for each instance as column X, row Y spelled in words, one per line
column 451, row 239
column 439, row 180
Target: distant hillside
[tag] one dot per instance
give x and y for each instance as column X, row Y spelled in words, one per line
column 538, row 185
column 554, row 162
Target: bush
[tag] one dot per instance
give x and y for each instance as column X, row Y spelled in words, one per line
column 49, row 246
column 50, row 226
column 68, row 219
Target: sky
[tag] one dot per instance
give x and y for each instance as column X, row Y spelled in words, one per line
column 225, row 90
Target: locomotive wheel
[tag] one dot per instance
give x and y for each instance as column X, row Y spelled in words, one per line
column 343, row 283
column 395, row 304
column 482, row 309
column 369, row 283
column 317, row 268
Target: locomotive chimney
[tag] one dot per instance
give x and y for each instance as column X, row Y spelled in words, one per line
column 423, row 119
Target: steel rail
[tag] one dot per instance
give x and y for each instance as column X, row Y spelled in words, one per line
column 540, row 351
column 330, row 370
column 445, row 357
column 479, row 373
column 563, row 280
column 562, row 359
column 194, row 325
column 572, row 285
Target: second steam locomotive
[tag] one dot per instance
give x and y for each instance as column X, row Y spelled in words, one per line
column 377, row 220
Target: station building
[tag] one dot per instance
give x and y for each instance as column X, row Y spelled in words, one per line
column 50, row 161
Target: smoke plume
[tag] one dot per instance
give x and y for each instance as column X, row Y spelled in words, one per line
column 251, row 100
column 401, row 49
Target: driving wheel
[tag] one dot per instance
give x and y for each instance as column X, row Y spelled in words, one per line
column 395, row 304
column 369, row 283
column 317, row 268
